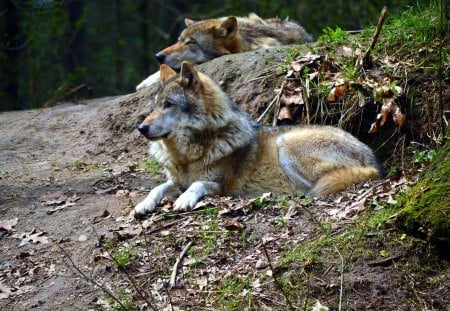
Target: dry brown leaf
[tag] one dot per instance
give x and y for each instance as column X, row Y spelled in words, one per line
column 337, row 93
column 285, row 113
column 373, row 128
column 397, row 116
column 385, row 110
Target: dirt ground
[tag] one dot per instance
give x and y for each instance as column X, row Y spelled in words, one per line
column 71, row 174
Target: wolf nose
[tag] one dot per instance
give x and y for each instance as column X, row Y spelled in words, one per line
column 143, row 129
column 160, row 57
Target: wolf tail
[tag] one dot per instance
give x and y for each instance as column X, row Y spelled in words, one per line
column 339, row 179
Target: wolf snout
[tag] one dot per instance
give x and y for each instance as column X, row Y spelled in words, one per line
column 143, row 128
column 160, row 57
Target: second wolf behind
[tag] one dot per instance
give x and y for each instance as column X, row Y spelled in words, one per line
column 208, row 146
column 204, row 40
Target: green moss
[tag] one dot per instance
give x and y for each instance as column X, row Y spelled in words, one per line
column 425, row 208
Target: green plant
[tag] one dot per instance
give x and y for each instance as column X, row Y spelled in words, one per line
column 79, row 164
column 151, row 166
column 291, row 54
column 336, row 36
column 126, row 302
column 122, row 256
column 210, row 212
column 235, row 293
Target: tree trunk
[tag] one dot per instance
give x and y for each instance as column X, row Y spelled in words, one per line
column 425, row 208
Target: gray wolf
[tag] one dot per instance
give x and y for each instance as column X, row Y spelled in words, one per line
column 204, row 40
column 208, row 146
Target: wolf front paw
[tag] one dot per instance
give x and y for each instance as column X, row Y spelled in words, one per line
column 186, row 201
column 143, row 208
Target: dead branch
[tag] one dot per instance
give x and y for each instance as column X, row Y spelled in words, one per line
column 341, row 290
column 385, row 261
column 307, row 103
column 105, row 289
column 365, row 61
column 277, row 105
column 173, row 277
column 277, row 282
column 268, row 108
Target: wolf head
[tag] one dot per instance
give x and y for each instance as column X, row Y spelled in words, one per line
column 188, row 101
column 202, row 41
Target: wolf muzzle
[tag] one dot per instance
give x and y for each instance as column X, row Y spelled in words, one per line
column 143, row 129
column 160, row 57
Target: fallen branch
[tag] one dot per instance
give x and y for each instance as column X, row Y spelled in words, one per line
column 365, row 60
column 341, row 289
column 277, row 106
column 268, row 108
column 277, row 282
column 385, row 261
column 173, row 277
column 105, row 289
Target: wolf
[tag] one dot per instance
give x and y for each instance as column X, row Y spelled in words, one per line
column 204, row 40
column 209, row 146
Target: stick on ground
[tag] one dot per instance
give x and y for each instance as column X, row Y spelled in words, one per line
column 173, row 277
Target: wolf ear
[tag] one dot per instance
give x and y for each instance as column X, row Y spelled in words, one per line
column 189, row 76
column 188, row 21
column 229, row 27
column 165, row 73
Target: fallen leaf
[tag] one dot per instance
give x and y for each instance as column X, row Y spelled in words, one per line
column 5, row 291
column 373, row 128
column 261, row 264
column 7, row 225
column 33, row 237
column 337, row 93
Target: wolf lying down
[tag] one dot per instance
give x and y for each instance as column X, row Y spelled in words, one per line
column 208, row 146
column 204, row 40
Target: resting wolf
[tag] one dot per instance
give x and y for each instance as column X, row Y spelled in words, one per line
column 208, row 146
column 204, row 40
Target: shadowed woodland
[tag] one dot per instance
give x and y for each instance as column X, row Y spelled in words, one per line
column 50, row 49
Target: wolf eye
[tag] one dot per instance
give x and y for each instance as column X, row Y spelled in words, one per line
column 167, row 104
column 191, row 41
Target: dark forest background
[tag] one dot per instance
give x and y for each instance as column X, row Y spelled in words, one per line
column 51, row 48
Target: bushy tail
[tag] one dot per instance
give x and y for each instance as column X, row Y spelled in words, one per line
column 337, row 180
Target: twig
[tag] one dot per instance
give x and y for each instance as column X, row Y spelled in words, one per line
column 307, row 103
column 138, row 289
column 173, row 277
column 165, row 226
column 341, row 291
column 268, row 108
column 277, row 282
column 385, row 261
column 147, row 244
column 86, row 277
column 277, row 106
column 366, row 58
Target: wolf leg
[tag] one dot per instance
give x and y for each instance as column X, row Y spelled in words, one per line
column 291, row 169
column 152, row 79
column 154, row 198
column 194, row 193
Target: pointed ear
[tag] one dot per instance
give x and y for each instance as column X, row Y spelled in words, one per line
column 165, row 73
column 189, row 76
column 188, row 21
column 229, row 27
